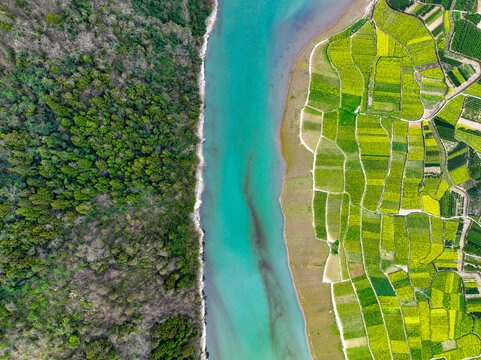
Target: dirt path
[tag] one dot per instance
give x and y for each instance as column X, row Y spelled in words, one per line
column 472, row 124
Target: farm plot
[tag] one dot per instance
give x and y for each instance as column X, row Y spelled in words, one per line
column 401, row 241
column 465, row 5
column 473, row 240
column 340, row 51
column 352, row 240
column 449, row 204
column 329, row 125
column 388, row 301
column 437, row 240
column 352, row 88
column 349, row 316
column 433, row 73
column 329, row 171
column 472, row 109
column 447, row 294
column 471, row 285
column 472, row 264
column 468, row 127
column 442, row 189
column 449, row 62
column 467, row 38
column 387, row 85
column 432, row 167
column 319, row 212
column 418, row 226
column 346, row 140
column 388, row 249
column 473, row 305
column 311, row 127
column 456, row 77
column 409, row 31
column 393, row 318
column 464, row 132
column 376, row 329
column 474, row 89
column 324, row 86
column 448, row 117
column 390, row 179
column 370, row 239
column 413, row 173
column 338, row 247
column 386, row 45
column 434, row 17
column 452, row 232
column 432, row 92
column 457, row 159
column 412, row 320
column 400, row 281
column 411, row 105
column 333, row 217
column 395, row 328
column 449, row 258
column 431, row 205
column 465, row 347
column 375, row 149
column 363, row 47
column 393, row 186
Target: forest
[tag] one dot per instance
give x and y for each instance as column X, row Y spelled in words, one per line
column 99, row 105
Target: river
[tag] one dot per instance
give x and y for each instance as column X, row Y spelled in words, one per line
column 252, row 309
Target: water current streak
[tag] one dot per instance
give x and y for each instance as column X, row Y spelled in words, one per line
column 272, row 286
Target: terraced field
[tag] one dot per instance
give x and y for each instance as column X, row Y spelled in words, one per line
column 393, row 118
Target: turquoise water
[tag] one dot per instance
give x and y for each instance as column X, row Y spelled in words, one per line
column 252, row 311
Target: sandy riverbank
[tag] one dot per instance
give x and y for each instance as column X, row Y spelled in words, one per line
column 307, row 255
column 199, row 188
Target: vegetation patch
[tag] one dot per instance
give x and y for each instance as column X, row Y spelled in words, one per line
column 99, row 105
column 402, row 141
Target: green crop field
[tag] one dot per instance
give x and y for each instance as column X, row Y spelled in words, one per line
column 387, row 86
column 396, row 132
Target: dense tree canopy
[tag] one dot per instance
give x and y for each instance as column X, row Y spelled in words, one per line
column 99, row 106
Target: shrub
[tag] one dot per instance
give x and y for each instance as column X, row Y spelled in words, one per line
column 101, row 349
column 53, row 18
column 73, row 342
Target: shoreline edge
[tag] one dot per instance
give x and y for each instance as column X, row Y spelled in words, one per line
column 199, row 187
column 307, row 255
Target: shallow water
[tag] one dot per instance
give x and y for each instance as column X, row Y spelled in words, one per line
column 252, row 310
